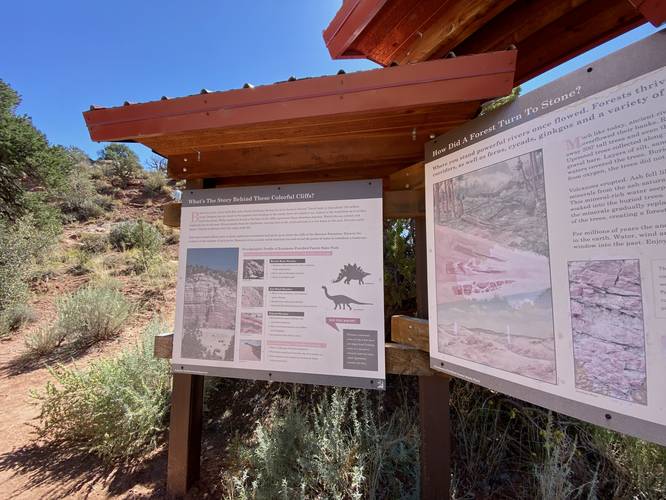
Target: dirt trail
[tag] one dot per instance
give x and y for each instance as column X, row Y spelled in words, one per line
column 31, row 468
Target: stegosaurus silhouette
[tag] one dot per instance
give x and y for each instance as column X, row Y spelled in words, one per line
column 351, row 272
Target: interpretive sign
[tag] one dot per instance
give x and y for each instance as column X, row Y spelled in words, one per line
column 546, row 224
column 282, row 283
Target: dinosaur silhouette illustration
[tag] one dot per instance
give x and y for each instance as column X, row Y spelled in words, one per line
column 343, row 301
column 351, row 272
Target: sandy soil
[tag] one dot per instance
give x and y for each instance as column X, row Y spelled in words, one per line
column 30, row 468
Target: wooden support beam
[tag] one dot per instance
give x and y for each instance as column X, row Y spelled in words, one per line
column 412, row 177
column 320, row 175
column 653, row 10
column 163, row 346
column 456, row 22
column 407, row 360
column 184, row 460
column 400, row 359
column 360, row 152
column 410, row 331
column 171, row 215
column 435, row 427
column 186, row 421
column 404, row 204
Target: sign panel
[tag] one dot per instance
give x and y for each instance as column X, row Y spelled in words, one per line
column 546, row 226
column 282, row 283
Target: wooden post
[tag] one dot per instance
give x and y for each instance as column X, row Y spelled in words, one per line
column 433, row 397
column 185, row 433
column 184, row 460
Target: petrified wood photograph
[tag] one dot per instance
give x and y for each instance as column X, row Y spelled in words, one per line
column 209, row 311
column 252, row 296
column 253, row 269
column 493, row 269
column 608, row 329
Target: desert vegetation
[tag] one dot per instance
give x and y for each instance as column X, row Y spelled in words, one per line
column 87, row 278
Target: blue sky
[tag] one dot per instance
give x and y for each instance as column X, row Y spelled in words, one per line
column 221, row 259
column 62, row 56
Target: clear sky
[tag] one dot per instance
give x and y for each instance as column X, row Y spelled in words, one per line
column 62, row 56
column 220, row 259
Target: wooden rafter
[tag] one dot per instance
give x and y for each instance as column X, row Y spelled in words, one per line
column 365, row 124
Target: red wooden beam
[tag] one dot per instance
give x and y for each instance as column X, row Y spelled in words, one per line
column 348, row 23
column 653, row 10
column 442, row 81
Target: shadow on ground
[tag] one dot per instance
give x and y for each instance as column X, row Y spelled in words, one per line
column 54, row 471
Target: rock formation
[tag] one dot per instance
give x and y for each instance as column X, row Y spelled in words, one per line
column 607, row 327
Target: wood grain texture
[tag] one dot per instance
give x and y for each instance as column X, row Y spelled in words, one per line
column 435, row 434
column 410, row 331
column 184, row 455
column 171, row 215
column 454, row 23
column 163, row 346
column 404, row 204
column 389, row 89
column 412, row 177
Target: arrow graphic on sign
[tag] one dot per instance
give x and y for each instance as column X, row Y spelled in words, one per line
column 345, row 321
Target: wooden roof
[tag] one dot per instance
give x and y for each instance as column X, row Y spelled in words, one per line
column 545, row 32
column 356, row 125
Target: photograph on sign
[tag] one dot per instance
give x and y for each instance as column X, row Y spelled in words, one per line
column 283, row 283
column 546, row 223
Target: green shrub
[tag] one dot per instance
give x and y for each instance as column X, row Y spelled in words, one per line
column 22, row 245
column 120, row 163
column 15, row 317
column 553, row 475
column 154, row 182
column 136, row 234
column 27, row 160
column 92, row 314
column 44, row 341
column 643, row 464
column 114, row 408
column 79, row 200
column 79, row 261
column 94, row 243
column 170, row 234
column 338, row 447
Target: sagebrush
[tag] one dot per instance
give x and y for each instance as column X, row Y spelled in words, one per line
column 136, row 234
column 91, row 314
column 115, row 408
column 23, row 245
column 336, row 443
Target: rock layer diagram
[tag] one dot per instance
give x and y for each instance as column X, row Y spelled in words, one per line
column 608, row 329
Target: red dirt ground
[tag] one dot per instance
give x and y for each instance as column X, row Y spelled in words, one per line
column 31, row 468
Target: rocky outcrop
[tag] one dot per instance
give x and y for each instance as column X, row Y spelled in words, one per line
column 607, row 327
column 210, row 301
column 251, row 323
